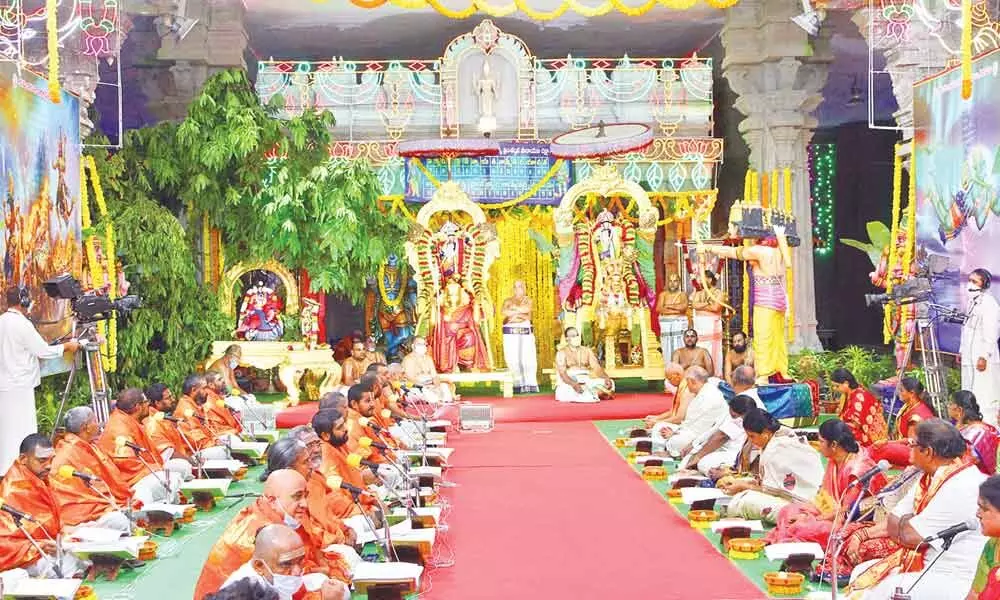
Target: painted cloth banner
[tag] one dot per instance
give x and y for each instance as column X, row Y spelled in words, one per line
column 957, row 150
column 40, row 174
column 495, row 179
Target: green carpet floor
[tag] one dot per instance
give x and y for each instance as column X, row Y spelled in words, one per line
column 753, row 569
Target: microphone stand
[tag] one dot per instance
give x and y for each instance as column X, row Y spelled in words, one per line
column 57, row 565
column 194, row 453
column 837, row 538
column 165, row 484
column 945, row 545
column 407, row 502
column 386, row 541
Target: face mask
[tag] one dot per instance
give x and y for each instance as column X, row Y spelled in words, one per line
column 420, row 349
column 287, row 585
column 975, row 291
column 574, row 341
column 289, row 519
column 233, row 363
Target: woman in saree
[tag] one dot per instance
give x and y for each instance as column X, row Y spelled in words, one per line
column 861, row 410
column 982, row 438
column 916, row 408
column 846, row 462
column 789, row 470
column 986, row 585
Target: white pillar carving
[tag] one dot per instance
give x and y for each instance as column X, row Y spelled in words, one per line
column 779, row 83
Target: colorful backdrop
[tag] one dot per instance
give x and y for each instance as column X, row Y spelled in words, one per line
column 40, row 174
column 957, row 150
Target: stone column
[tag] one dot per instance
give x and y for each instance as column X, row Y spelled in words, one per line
column 778, row 71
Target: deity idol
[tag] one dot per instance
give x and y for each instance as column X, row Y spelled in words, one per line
column 390, row 310
column 456, row 340
column 309, row 322
column 260, row 315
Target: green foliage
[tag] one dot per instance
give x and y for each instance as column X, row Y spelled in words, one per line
column 49, row 394
column 879, row 236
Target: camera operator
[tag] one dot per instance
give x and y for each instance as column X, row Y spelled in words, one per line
column 21, row 347
column 980, row 359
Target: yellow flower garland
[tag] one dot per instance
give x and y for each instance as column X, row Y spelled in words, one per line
column 206, row 250
column 388, row 302
column 911, row 218
column 107, row 329
column 966, row 49
column 789, row 272
column 52, row 34
column 499, row 205
column 897, row 184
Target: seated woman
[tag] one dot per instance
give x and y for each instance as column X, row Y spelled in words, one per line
column 963, row 409
column 846, row 461
column 580, row 377
column 986, row 585
column 861, row 410
column 916, row 408
column 789, row 470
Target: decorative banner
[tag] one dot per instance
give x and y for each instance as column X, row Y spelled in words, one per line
column 540, row 11
column 958, row 180
column 496, row 179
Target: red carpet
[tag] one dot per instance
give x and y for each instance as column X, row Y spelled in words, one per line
column 526, row 409
column 551, row 511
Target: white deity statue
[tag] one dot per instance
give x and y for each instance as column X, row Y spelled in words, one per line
column 486, row 89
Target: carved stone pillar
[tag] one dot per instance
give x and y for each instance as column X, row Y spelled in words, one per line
column 779, row 73
column 78, row 74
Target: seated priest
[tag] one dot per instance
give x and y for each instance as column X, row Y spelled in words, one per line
column 743, row 380
column 355, row 364
column 283, row 501
column 388, row 397
column 278, row 563
column 191, row 412
column 219, row 417
column 331, row 426
column 362, row 437
column 381, row 420
column 947, row 494
column 789, row 470
column 97, row 501
column 125, row 440
column 24, row 489
column 421, row 373
column 169, row 439
column 322, row 525
column 673, row 379
column 706, row 408
column 226, row 366
column 580, row 377
column 719, row 446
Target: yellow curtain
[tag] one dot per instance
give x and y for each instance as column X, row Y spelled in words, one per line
column 520, row 259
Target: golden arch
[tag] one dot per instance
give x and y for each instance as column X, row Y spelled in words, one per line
column 606, row 181
column 232, row 277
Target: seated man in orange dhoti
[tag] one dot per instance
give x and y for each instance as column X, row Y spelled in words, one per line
column 165, row 430
column 83, row 500
column 190, row 410
column 24, row 489
column 362, row 437
column 278, row 563
column 354, row 365
column 456, row 340
column 283, row 501
column 420, row 371
column 125, row 440
column 386, row 397
column 301, row 453
column 331, row 426
column 219, row 418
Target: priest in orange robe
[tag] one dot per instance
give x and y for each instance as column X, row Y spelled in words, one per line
column 220, row 419
column 361, row 408
column 24, row 489
column 282, row 501
column 331, row 426
column 166, row 432
column 99, row 500
column 356, row 364
column 191, row 412
column 125, row 440
column 381, row 393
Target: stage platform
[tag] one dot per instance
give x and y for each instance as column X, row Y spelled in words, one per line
column 528, row 409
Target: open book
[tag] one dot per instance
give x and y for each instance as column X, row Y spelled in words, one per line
column 783, row 551
column 388, row 572
column 218, row 487
column 61, row 589
column 124, row 548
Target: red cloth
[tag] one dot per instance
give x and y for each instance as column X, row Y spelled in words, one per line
column 458, row 342
column 992, row 590
column 23, row 490
column 982, row 439
column 132, row 467
column 863, row 414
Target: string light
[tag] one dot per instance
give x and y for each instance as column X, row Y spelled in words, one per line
column 822, row 177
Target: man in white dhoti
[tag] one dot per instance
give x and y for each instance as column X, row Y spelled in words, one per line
column 672, row 309
column 706, row 319
column 705, row 409
column 947, row 494
column 420, row 372
column 21, row 347
column 519, row 350
column 581, row 378
column 980, row 359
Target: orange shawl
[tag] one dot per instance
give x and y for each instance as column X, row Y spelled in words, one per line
column 220, row 419
column 324, row 524
column 80, row 502
column 165, row 434
column 197, row 433
column 23, row 490
column 355, row 431
column 335, row 463
column 123, row 425
column 905, row 560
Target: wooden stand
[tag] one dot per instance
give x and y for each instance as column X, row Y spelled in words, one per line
column 386, row 591
column 204, row 500
column 108, row 566
column 159, row 522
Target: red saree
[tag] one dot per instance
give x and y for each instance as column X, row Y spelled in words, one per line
column 982, row 439
column 898, row 452
column 863, row 414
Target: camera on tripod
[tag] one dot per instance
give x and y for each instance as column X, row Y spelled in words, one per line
column 918, row 288
column 89, row 307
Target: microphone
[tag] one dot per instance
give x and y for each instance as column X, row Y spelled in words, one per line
column 122, row 441
column 366, row 422
column 951, row 532
column 882, row 466
column 337, row 482
column 357, row 462
column 66, row 472
column 20, row 516
column 367, row 442
column 171, row 418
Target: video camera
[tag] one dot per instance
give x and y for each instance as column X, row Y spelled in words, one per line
column 89, row 307
column 916, row 289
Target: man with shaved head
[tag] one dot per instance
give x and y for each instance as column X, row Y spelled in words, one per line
column 324, row 523
column 278, row 563
column 673, row 378
column 704, row 410
column 283, row 501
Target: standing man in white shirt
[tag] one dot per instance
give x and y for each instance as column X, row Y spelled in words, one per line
column 21, row 347
column 980, row 359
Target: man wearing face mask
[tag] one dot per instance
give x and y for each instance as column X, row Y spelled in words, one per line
column 21, row 347
column 226, row 365
column 980, row 359
column 278, row 563
column 581, row 377
column 283, row 501
column 420, row 371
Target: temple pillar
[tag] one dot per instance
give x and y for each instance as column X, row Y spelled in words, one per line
column 778, row 72
column 78, row 74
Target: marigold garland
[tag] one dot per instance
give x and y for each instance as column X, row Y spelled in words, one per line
column 966, row 49
column 206, row 249
column 789, row 272
column 897, row 183
column 108, row 329
column 911, row 219
column 52, row 37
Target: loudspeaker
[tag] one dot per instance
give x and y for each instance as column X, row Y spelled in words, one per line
column 475, row 418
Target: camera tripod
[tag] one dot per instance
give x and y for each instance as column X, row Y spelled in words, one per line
column 930, row 357
column 96, row 377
